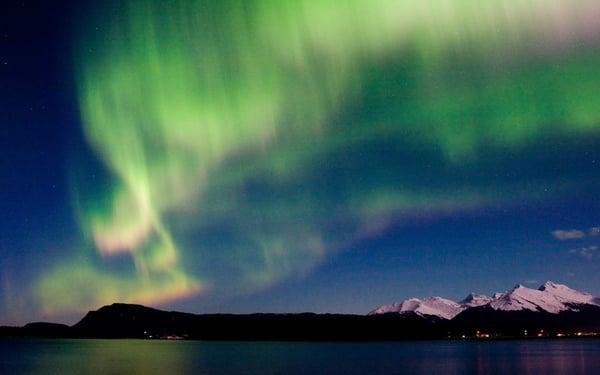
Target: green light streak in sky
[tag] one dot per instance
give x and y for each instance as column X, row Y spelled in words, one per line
column 221, row 123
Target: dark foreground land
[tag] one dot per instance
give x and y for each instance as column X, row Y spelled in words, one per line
column 135, row 321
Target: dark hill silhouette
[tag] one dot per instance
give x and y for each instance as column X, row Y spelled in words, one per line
column 120, row 320
column 136, row 321
column 586, row 318
column 39, row 329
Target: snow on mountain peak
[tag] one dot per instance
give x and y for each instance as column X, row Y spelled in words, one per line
column 431, row 306
column 550, row 297
column 518, row 286
column 474, row 300
column 550, row 285
column 566, row 294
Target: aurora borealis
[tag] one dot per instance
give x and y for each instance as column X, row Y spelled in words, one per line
column 228, row 147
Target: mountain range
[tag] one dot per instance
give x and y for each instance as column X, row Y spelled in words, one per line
column 550, row 297
column 549, row 311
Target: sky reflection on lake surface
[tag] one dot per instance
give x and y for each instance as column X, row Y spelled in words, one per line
column 199, row 357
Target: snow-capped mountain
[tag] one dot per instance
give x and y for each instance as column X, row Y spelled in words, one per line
column 474, row 300
column 550, row 297
column 432, row 306
column 568, row 295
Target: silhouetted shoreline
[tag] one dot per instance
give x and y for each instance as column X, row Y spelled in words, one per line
column 139, row 322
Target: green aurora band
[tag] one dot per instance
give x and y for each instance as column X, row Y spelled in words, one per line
column 244, row 141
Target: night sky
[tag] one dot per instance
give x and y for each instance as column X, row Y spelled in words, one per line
column 294, row 155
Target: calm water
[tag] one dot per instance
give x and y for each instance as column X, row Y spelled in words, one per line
column 198, row 357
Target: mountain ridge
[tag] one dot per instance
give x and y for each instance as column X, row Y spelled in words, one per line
column 553, row 310
column 549, row 297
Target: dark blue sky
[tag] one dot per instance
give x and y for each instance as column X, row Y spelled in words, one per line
column 386, row 200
